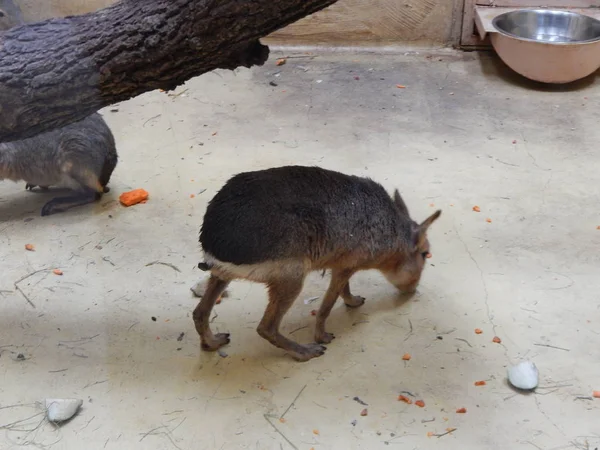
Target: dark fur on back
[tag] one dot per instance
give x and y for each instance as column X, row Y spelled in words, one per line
column 88, row 144
column 81, row 156
column 299, row 212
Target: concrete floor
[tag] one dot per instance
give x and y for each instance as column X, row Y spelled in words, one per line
column 463, row 132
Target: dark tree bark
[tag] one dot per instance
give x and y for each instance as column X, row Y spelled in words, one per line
column 56, row 72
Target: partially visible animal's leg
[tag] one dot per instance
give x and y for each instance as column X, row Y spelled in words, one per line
column 350, row 300
column 339, row 279
column 209, row 341
column 90, row 189
column 31, row 187
column 282, row 293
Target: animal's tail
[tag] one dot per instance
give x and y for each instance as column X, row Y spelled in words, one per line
column 203, row 266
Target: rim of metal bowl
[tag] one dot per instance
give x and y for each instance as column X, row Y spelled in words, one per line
column 570, row 13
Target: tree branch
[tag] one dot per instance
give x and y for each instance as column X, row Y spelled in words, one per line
column 59, row 71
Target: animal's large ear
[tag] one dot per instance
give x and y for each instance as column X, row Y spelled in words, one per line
column 420, row 231
column 400, row 203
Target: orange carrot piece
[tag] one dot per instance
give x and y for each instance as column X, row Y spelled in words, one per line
column 57, row 272
column 420, row 403
column 461, row 411
column 480, row 383
column 478, row 331
column 406, row 357
column 476, row 208
column 497, row 340
column 133, row 197
column 29, row 247
column 402, row 398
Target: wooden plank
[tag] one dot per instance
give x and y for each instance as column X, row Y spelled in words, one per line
column 374, row 22
column 468, row 36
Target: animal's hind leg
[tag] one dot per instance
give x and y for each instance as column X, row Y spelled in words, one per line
column 282, row 293
column 61, row 204
column 353, row 301
column 90, row 190
column 209, row 341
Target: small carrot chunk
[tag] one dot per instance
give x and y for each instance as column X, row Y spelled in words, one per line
column 400, row 86
column 281, row 420
column 57, row 272
column 429, row 255
column 420, row 403
column 478, row 331
column 406, row 357
column 476, row 208
column 596, row 394
column 430, row 434
column 29, row 247
column 497, row 340
column 461, row 411
column 316, row 432
column 364, row 412
column 480, row 383
column 402, row 398
column 133, row 197
column 488, row 220
column 313, row 312
column 280, row 61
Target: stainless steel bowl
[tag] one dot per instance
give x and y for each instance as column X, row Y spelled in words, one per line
column 551, row 46
column 548, row 26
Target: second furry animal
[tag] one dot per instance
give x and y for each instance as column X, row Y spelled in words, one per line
column 80, row 156
column 277, row 225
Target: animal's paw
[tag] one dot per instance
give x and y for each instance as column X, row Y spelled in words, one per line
column 308, row 352
column 354, row 301
column 218, row 341
column 324, row 337
column 52, row 208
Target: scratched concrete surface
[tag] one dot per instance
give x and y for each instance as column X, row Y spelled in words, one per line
column 463, row 132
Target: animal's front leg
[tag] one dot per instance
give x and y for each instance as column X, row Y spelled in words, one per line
column 339, row 279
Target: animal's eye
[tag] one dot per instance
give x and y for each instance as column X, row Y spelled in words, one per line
column 1, row 13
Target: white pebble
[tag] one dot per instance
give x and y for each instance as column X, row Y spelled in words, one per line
column 61, row 409
column 524, row 376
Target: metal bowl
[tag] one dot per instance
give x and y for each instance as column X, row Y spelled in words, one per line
column 548, row 45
